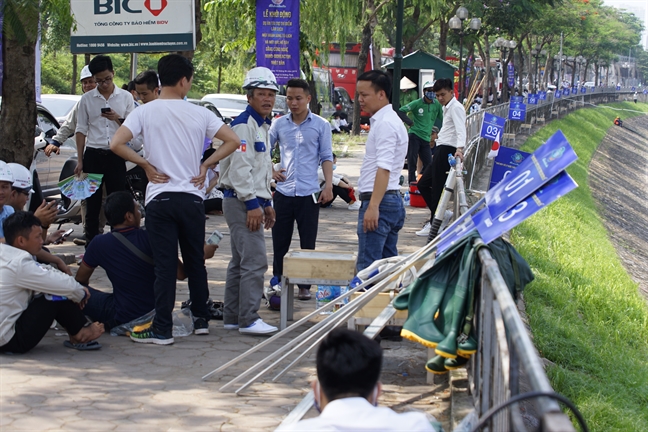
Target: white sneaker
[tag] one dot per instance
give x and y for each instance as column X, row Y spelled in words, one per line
column 425, row 231
column 230, row 326
column 355, row 206
column 258, row 327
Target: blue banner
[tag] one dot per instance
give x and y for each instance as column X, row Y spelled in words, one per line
column 618, row 87
column 532, row 99
column 491, row 228
column 644, row 92
column 558, row 94
column 517, row 111
column 277, row 37
column 511, row 75
column 633, row 88
column 583, row 89
column 566, row 91
column 506, row 161
column 545, row 163
column 574, row 90
column 492, row 126
column 517, row 99
column 542, row 95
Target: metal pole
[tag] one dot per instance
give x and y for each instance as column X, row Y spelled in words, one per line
column 560, row 64
column 398, row 56
column 133, row 71
column 461, row 84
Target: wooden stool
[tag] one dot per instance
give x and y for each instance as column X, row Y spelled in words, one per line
column 312, row 267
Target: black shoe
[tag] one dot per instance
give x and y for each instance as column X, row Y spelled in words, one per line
column 201, row 326
column 150, row 336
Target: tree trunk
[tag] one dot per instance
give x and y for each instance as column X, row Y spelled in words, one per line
column 74, row 74
column 444, row 28
column 367, row 36
column 86, row 59
column 484, row 51
column 18, row 115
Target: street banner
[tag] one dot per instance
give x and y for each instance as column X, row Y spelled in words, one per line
column 492, row 126
column 592, row 89
column 618, row 87
column 558, row 94
column 535, row 171
column 644, row 92
column 566, row 91
column 574, row 90
column 542, row 95
column 511, row 75
column 517, row 111
column 532, row 99
column 277, row 37
column 583, row 89
column 491, row 228
column 133, row 26
column 633, row 88
column 505, row 162
column 516, row 99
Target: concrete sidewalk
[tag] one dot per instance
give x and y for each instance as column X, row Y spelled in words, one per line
column 128, row 386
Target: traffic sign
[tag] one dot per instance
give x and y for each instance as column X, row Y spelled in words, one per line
column 492, row 126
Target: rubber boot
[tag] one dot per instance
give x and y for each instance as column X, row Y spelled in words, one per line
column 436, row 365
column 455, row 363
column 424, row 301
column 402, row 299
column 468, row 347
column 448, row 346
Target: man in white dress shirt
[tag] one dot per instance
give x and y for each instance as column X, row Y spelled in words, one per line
column 101, row 112
column 347, row 389
column 381, row 214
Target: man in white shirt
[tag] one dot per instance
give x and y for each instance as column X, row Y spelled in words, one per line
column 347, row 389
column 25, row 313
column 382, row 213
column 101, row 111
column 451, row 140
column 173, row 132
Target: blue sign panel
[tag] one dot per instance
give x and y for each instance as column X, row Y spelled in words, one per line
column 491, row 228
column 545, row 163
column 517, row 99
column 558, row 94
column 618, row 87
column 517, row 111
column 277, row 41
column 574, row 90
column 506, row 161
column 645, row 91
column 492, row 126
column 511, row 75
column 542, row 95
column 532, row 99
column 583, row 89
column 634, row 88
column 566, row 91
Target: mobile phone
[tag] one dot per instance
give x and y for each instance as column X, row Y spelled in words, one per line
column 105, row 110
column 316, row 196
column 65, row 235
column 215, row 238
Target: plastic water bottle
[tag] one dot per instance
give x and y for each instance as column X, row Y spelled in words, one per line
column 406, row 198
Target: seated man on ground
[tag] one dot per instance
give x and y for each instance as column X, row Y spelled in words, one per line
column 342, row 188
column 130, row 272
column 347, row 389
column 25, row 313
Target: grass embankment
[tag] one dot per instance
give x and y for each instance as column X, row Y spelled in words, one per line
column 585, row 312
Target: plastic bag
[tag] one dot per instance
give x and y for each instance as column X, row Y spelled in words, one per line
column 182, row 324
column 381, row 265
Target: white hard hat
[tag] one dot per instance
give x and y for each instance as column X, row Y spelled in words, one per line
column 85, row 73
column 428, row 84
column 5, row 172
column 260, row 77
column 22, row 177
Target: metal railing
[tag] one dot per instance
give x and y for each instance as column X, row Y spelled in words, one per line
column 477, row 148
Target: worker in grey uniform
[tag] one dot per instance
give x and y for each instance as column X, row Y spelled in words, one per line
column 247, row 205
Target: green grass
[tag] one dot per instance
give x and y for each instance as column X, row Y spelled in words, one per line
column 585, row 312
column 344, row 144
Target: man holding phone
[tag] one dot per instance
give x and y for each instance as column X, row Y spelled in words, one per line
column 100, row 113
column 304, row 142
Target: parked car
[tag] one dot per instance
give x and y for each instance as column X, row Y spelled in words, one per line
column 211, row 107
column 60, row 105
column 280, row 107
column 343, row 101
column 229, row 105
column 589, row 84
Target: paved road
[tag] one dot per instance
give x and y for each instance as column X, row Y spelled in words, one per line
column 127, row 386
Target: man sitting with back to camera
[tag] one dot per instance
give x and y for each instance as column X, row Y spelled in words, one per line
column 126, row 256
column 347, row 389
column 26, row 308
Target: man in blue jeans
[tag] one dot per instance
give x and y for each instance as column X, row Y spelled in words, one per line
column 382, row 213
column 174, row 132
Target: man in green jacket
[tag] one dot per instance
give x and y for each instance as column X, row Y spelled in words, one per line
column 425, row 112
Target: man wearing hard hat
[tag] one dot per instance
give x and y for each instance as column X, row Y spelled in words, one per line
column 424, row 113
column 6, row 180
column 247, row 205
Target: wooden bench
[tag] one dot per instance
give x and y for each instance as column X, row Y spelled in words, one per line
column 526, row 127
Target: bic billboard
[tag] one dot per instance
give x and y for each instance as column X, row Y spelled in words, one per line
column 109, row 26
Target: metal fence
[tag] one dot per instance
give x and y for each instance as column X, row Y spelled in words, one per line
column 477, row 148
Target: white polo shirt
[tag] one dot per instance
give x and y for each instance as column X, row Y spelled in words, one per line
column 386, row 148
column 453, row 129
column 99, row 130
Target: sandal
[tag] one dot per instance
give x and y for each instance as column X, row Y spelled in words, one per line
column 88, row 346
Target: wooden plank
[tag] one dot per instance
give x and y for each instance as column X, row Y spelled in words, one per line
column 376, row 306
column 311, row 264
